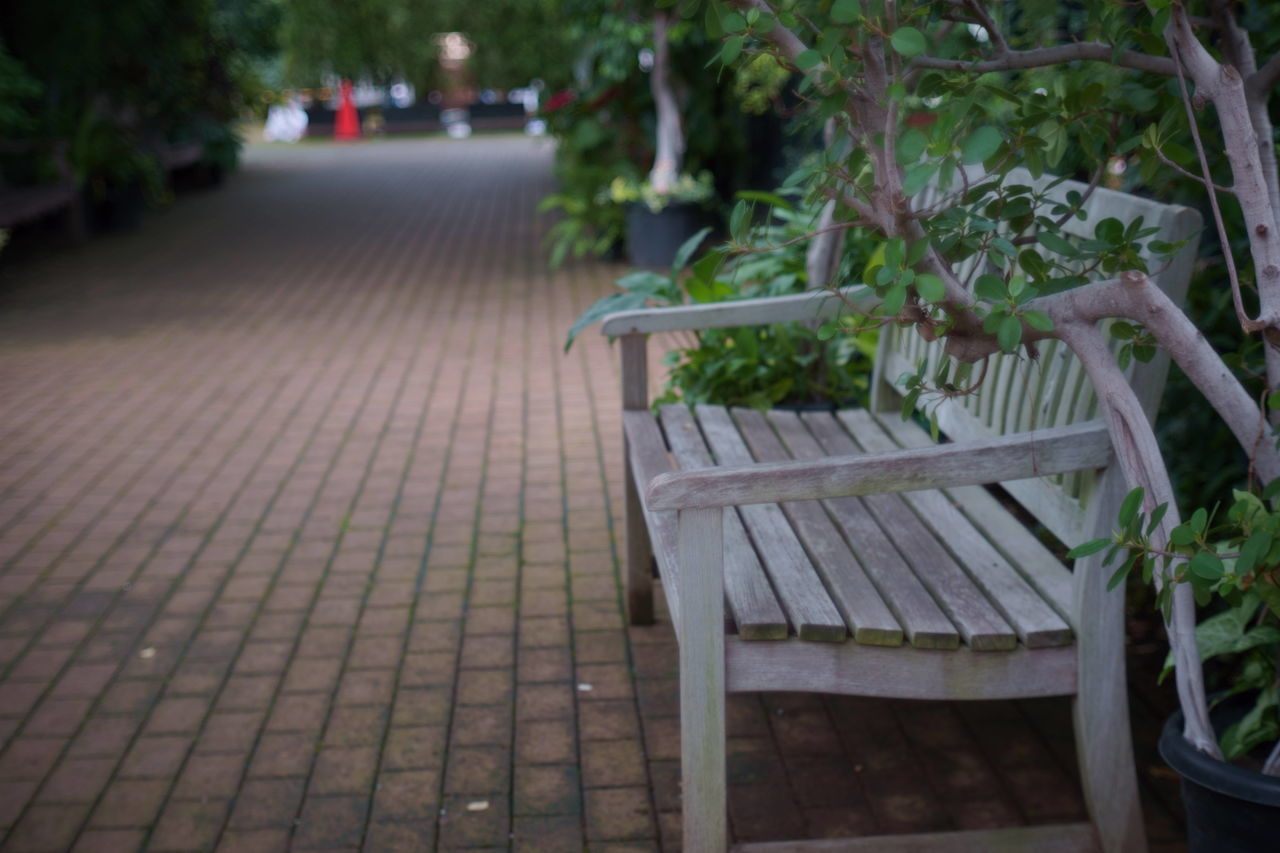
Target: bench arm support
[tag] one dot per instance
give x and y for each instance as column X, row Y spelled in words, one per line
column 813, row 305
column 1013, row 457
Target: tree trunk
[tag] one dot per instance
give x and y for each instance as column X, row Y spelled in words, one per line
column 669, row 153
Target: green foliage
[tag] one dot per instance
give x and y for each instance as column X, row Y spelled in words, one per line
column 118, row 81
column 19, row 91
column 605, row 122
column 1230, row 559
column 757, row 366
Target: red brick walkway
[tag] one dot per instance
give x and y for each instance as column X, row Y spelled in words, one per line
column 308, row 541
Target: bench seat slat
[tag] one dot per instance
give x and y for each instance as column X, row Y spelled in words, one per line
column 1036, row 623
column 868, row 617
column 982, row 628
column 923, row 621
column 1019, row 545
column 649, row 458
column 799, row 589
column 751, row 599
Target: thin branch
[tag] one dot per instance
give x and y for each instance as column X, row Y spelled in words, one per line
column 1056, row 55
column 988, row 23
column 1192, row 175
column 1237, row 300
column 839, row 226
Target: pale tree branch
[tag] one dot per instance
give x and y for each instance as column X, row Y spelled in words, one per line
column 1139, row 457
column 670, row 136
column 1233, row 276
column 1253, row 169
column 1136, row 298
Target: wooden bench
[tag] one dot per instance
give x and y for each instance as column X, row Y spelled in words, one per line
column 19, row 205
column 856, row 556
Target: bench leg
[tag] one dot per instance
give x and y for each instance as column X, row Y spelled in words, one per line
column 702, row 682
column 639, row 554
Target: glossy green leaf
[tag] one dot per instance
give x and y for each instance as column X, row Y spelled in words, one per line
column 1057, row 243
column 908, row 41
column 807, row 60
column 911, row 145
column 1130, row 505
column 1088, row 549
column 731, row 49
column 1207, row 565
column 1038, row 320
column 846, row 11
column 1009, row 333
column 980, row 144
column 989, row 287
column 930, row 287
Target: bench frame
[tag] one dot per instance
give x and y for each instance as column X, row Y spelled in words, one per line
column 711, row 663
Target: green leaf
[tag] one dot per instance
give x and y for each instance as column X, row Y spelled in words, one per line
column 733, row 22
column 894, row 299
column 1130, row 505
column 1038, row 320
column 990, row 287
column 908, row 41
column 686, row 250
column 1253, row 551
column 809, row 59
column 846, row 11
column 930, row 287
column 1207, row 565
column 738, row 221
column 911, row 145
column 917, row 177
column 1009, row 333
column 610, row 304
column 1088, row 549
column 1199, row 520
column 1120, row 574
column 706, row 267
column 771, row 199
column 980, row 144
column 731, row 49
column 1182, row 535
column 1260, row 725
column 1057, row 243
column 1156, row 518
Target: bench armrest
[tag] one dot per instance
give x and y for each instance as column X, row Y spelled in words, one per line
column 1013, row 457
column 814, row 305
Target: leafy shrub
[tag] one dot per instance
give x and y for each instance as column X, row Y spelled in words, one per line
column 759, row 366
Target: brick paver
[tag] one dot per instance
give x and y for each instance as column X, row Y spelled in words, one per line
column 308, row 540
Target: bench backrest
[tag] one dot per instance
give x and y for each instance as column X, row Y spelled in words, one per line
column 1019, row 393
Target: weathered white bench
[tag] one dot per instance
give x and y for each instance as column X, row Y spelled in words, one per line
column 855, row 556
column 19, row 205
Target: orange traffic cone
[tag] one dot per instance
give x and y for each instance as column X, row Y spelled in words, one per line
column 347, row 125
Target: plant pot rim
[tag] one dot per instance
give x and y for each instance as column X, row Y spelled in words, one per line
column 1219, row 776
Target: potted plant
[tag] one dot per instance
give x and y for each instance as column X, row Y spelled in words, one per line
column 658, row 222
column 1231, row 563
column 664, row 210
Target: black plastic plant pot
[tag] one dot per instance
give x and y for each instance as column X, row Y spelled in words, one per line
column 653, row 238
column 1229, row 809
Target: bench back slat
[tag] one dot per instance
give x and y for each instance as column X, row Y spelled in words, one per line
column 1020, row 393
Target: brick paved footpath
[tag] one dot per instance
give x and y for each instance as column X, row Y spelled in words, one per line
column 309, row 537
